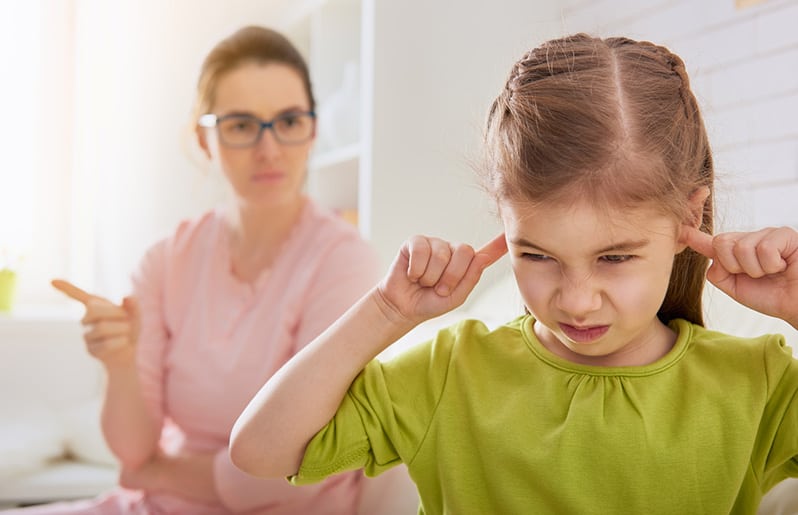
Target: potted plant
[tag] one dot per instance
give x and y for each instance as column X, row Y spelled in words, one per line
column 8, row 279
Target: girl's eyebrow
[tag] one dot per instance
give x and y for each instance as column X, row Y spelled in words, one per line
column 622, row 246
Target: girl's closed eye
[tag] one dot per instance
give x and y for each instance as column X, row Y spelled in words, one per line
column 535, row 257
column 616, row 258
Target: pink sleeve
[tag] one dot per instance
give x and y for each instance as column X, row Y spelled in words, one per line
column 348, row 272
column 240, row 492
column 148, row 284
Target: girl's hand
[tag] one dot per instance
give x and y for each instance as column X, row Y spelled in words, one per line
column 431, row 276
column 758, row 269
column 111, row 330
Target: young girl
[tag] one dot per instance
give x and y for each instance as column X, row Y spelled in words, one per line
column 609, row 396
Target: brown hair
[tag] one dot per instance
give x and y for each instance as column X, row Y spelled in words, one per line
column 248, row 44
column 615, row 121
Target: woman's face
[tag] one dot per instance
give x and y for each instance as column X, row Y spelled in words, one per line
column 268, row 172
column 594, row 279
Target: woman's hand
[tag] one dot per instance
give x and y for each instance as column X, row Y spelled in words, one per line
column 185, row 475
column 111, row 335
column 431, row 276
column 758, row 269
column 111, row 330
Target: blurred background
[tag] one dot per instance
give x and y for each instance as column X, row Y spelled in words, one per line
column 99, row 160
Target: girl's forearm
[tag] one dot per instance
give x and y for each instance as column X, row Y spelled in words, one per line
column 129, row 430
column 270, row 436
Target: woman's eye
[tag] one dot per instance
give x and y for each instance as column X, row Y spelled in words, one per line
column 240, row 125
column 616, row 258
column 287, row 121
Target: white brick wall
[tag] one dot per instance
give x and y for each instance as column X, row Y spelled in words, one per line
column 743, row 65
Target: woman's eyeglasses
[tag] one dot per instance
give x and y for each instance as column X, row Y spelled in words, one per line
column 245, row 130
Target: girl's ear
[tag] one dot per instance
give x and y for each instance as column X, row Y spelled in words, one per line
column 696, row 203
column 202, row 140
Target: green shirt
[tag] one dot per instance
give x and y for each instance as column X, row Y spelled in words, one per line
column 494, row 423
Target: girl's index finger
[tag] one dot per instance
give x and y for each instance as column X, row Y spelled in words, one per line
column 699, row 241
column 494, row 249
column 72, row 291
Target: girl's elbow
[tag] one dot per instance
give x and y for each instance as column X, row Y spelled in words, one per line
column 253, row 459
column 246, row 453
column 241, row 457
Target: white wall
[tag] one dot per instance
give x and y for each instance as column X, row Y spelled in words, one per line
column 743, row 65
column 437, row 68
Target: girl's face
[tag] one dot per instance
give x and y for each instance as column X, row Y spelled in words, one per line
column 594, row 279
column 267, row 172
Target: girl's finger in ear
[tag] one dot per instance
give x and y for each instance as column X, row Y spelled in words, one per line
column 699, row 241
column 493, row 250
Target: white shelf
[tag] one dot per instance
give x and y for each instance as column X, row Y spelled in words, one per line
column 329, row 34
column 335, row 157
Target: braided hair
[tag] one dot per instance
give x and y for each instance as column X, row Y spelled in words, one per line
column 610, row 120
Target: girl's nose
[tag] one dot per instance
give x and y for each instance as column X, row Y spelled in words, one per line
column 578, row 298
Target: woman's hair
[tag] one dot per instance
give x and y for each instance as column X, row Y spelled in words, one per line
column 609, row 120
column 251, row 44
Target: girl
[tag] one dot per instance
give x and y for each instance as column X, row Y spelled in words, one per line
column 225, row 301
column 609, row 396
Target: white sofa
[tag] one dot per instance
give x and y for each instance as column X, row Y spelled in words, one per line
column 51, row 447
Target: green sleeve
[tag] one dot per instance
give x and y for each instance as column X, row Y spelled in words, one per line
column 777, row 455
column 384, row 416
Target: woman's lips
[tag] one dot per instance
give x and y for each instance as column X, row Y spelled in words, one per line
column 267, row 176
column 584, row 334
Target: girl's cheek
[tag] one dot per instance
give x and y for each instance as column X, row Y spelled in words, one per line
column 535, row 291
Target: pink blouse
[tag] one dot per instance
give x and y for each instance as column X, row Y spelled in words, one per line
column 209, row 341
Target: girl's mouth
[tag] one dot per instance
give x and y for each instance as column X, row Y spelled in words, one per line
column 584, row 334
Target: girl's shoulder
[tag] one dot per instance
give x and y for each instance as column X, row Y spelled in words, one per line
column 712, row 338
column 769, row 353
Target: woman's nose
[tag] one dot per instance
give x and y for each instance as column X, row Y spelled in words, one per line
column 267, row 145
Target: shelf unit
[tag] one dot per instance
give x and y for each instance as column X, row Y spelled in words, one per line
column 330, row 34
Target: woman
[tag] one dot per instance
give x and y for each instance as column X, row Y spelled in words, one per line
column 220, row 305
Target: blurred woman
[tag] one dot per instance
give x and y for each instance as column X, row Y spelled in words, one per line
column 220, row 305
